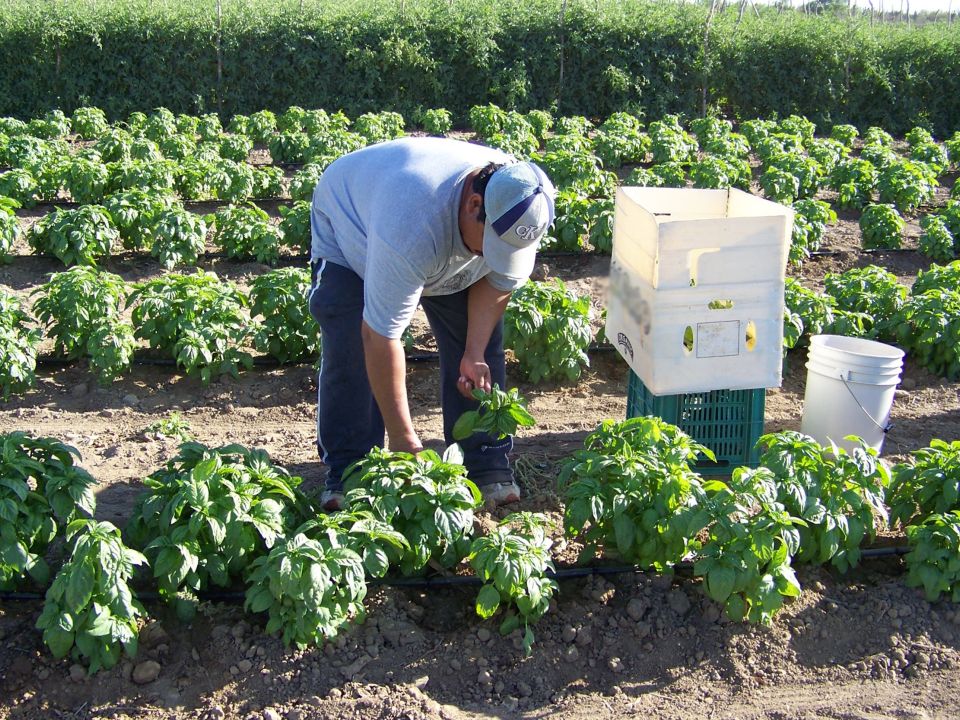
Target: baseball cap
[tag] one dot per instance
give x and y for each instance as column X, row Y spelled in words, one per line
column 519, row 204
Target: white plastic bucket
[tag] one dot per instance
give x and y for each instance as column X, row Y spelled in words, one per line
column 850, row 388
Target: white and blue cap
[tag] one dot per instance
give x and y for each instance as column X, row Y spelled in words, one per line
column 519, row 204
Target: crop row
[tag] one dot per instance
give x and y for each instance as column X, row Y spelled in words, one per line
column 190, row 157
column 216, row 517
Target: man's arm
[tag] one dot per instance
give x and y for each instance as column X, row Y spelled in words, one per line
column 386, row 369
column 485, row 306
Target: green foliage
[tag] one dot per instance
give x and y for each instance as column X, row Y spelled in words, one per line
column 929, row 484
column 720, row 172
column 295, row 226
column 287, row 331
column 9, row 228
column 780, row 185
column 928, row 327
column 870, row 290
column 933, row 562
column 208, row 514
column 577, row 172
column 426, row 498
column 937, row 277
column 288, row 147
column 631, row 491
column 670, row 142
column 135, row 213
column 179, row 236
column 75, row 237
column 881, row 227
column 201, row 321
column 845, row 134
column 311, row 587
column 89, row 123
column 839, row 495
column 18, row 348
column 746, row 561
column 173, row 426
column 620, row 140
column 499, row 415
column 810, row 221
column 548, row 329
column 936, row 241
column 90, row 611
column 379, row 126
column 814, row 312
column 81, row 308
column 245, row 232
column 19, row 185
column 436, row 121
column 906, row 184
column 512, row 561
column 40, row 486
column 305, row 181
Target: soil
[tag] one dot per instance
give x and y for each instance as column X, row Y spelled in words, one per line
column 860, row 646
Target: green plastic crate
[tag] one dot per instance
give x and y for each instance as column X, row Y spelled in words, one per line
column 729, row 422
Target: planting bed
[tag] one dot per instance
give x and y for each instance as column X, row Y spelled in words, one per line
column 860, row 645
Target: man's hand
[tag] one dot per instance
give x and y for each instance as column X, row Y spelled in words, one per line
column 407, row 443
column 474, row 373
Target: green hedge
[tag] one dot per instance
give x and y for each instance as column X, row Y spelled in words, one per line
column 597, row 57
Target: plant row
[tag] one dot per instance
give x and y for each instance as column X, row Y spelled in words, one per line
column 870, row 302
column 581, row 157
column 215, row 517
column 207, row 325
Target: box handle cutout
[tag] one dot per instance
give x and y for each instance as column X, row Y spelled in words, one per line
column 720, row 305
column 688, row 340
column 750, row 339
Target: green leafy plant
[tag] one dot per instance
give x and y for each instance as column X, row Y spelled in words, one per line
column 839, row 495
column 89, row 122
column 311, row 587
column 882, row 227
column 814, row 310
column 232, row 181
column 780, row 185
column 936, row 241
column 379, row 127
column 287, row 331
column 631, row 491
column 207, row 515
column 136, row 213
column 906, row 184
column 86, row 180
column 9, row 228
column 500, row 414
column 928, row 327
column 933, row 562
column 711, row 171
column 75, row 237
column 512, row 561
column 90, row 611
column 670, row 142
column 288, row 147
column 18, row 348
column 20, row 186
column 39, row 485
column 548, row 329
column 197, row 318
column 845, row 134
column 937, row 277
column 179, row 236
column 871, row 290
column 173, row 426
column 245, row 232
column 305, row 181
column 426, row 498
column 295, row 226
column 436, row 121
column 746, row 561
column 928, row 484
column 810, row 220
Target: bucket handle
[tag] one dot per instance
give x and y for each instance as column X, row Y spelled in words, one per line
column 880, row 427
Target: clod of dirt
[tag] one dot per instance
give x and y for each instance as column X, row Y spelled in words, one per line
column 569, row 634
column 678, row 601
column 271, row 714
column 483, row 635
column 637, row 608
column 615, row 664
column 244, row 666
column 484, row 678
column 214, row 713
column 146, row 672
column 77, row 672
column 571, row 654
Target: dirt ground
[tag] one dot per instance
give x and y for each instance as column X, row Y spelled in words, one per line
column 860, row 646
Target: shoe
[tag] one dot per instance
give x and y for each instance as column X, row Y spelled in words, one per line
column 331, row 500
column 501, row 493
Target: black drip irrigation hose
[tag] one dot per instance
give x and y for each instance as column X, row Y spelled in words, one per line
column 266, row 361
column 236, row 596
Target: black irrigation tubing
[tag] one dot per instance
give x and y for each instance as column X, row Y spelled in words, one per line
column 265, row 361
column 450, row 580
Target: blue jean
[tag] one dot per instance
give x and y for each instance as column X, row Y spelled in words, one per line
column 349, row 422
